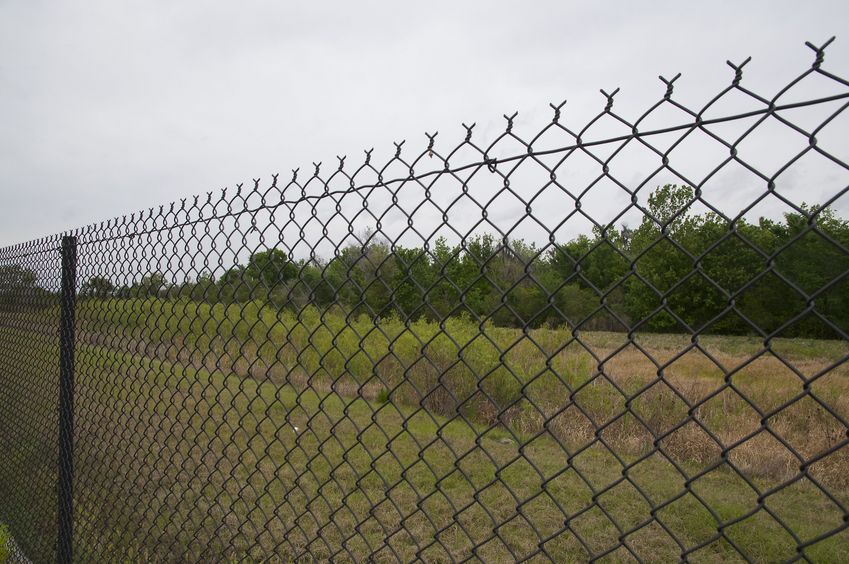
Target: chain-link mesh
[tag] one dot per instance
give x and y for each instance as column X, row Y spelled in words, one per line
column 624, row 341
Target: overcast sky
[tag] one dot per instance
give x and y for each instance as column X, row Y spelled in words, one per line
column 108, row 107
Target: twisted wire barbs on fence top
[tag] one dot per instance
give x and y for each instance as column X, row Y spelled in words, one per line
column 418, row 360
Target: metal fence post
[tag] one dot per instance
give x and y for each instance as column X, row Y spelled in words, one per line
column 66, row 399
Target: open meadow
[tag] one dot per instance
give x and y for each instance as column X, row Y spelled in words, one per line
column 244, row 431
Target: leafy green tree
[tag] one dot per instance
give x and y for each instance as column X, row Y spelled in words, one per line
column 97, row 287
column 662, row 247
column 202, row 289
column 151, row 285
column 270, row 268
column 233, row 286
column 808, row 261
column 413, row 276
column 19, row 289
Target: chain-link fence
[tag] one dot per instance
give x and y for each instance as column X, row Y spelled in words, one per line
column 624, row 341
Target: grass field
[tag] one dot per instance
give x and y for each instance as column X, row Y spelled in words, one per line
column 204, row 431
column 4, row 539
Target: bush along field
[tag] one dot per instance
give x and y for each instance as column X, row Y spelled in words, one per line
column 409, row 403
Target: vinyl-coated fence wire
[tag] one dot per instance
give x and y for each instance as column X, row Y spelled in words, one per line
column 624, row 341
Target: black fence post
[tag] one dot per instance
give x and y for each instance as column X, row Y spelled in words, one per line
column 66, row 399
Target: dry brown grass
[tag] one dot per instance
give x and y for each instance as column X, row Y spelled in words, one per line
column 693, row 405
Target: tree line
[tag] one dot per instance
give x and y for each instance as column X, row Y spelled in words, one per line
column 675, row 272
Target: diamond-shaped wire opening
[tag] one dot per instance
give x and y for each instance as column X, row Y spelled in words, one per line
column 761, row 534
column 807, row 427
column 595, row 530
column 688, row 520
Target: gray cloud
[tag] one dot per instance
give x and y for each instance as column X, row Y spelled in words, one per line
column 111, row 107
